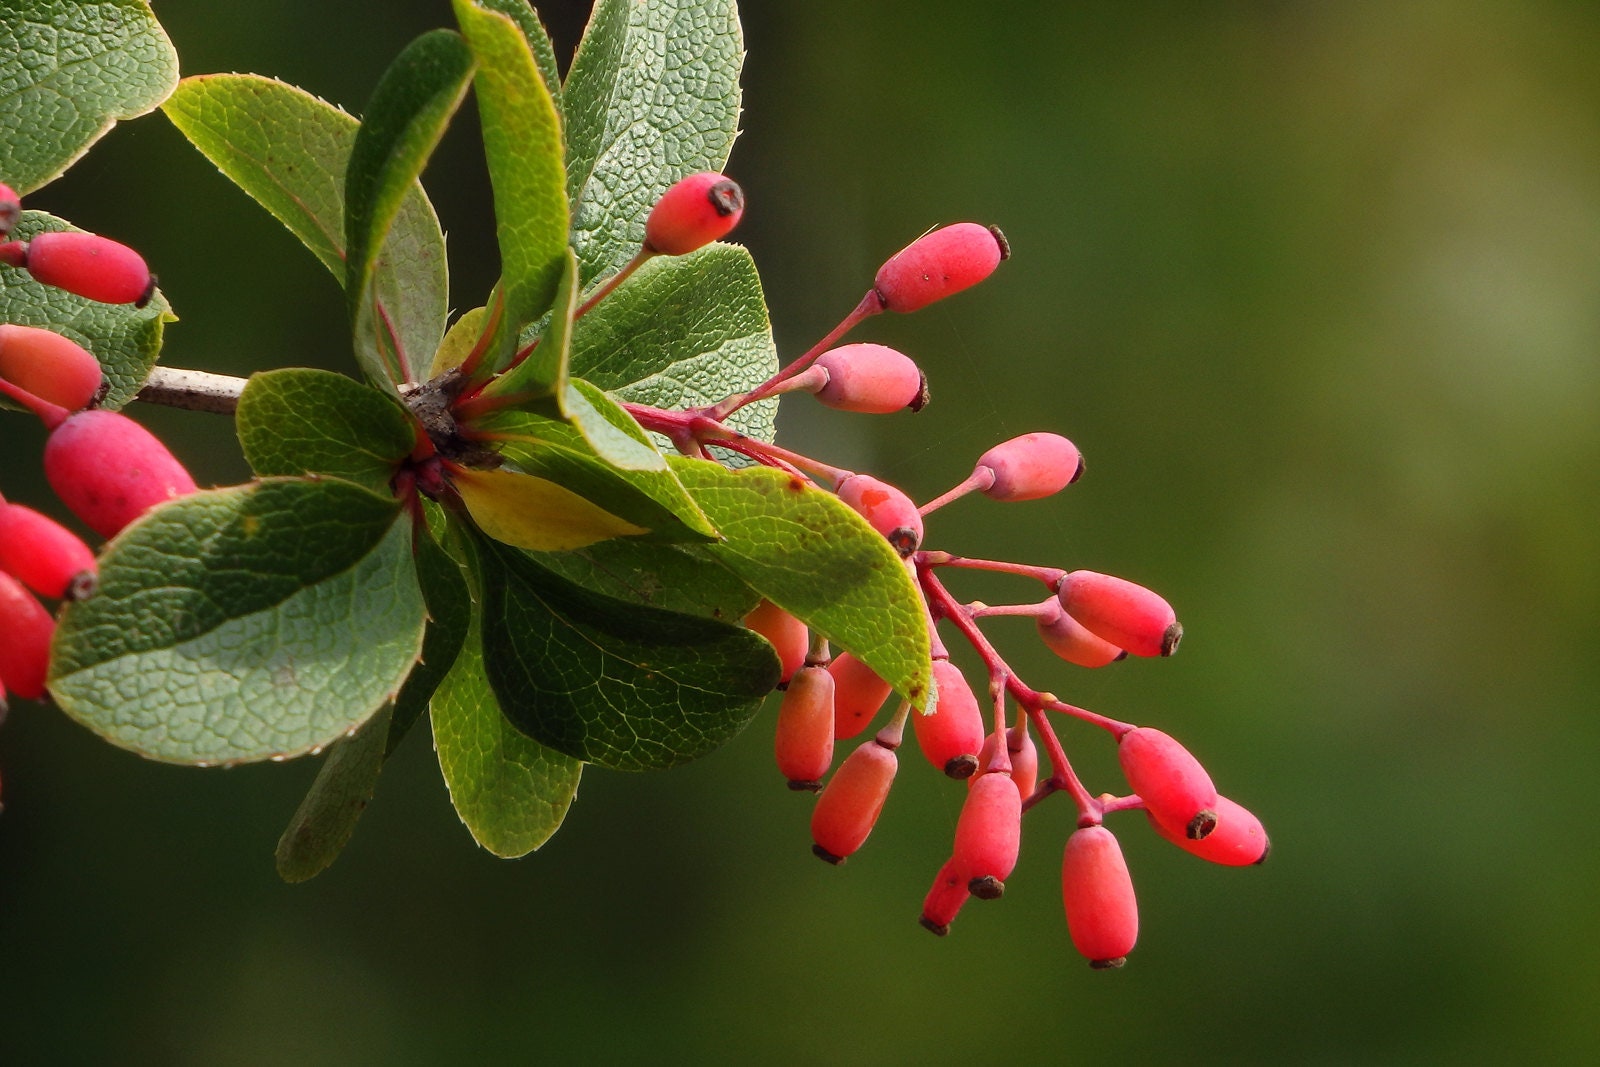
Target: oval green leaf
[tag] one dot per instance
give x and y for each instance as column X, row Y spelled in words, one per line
column 304, row 421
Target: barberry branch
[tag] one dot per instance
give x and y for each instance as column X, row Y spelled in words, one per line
column 192, row 390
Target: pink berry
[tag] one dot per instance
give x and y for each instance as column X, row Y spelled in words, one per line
column 694, row 212
column 1102, row 914
column 10, row 208
column 858, row 693
column 989, row 834
column 851, row 801
column 939, row 263
column 1024, row 760
column 1031, row 466
column 109, row 470
column 46, row 556
column 871, row 379
column 51, row 367
column 91, row 266
column 886, row 509
column 1175, row 788
column 25, row 651
column 1121, row 612
column 804, row 742
column 1072, row 641
column 950, row 735
column 1239, row 839
column 786, row 634
column 944, row 900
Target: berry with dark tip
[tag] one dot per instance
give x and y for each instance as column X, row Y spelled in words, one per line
column 1238, row 840
column 25, row 651
column 1175, row 788
column 938, row 264
column 53, row 368
column 950, row 735
column 1097, row 893
column 692, row 213
column 886, row 509
column 852, row 801
column 90, row 266
column 1122, row 612
column 989, row 834
column 108, row 470
column 858, row 693
column 44, row 555
column 804, row 742
column 870, row 379
column 1031, row 466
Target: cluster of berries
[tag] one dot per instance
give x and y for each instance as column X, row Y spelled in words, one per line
column 107, row 469
column 1089, row 619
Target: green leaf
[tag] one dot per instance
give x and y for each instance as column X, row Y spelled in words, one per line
column 653, row 95
column 302, row 421
column 609, row 681
column 533, row 31
column 72, row 70
column 543, row 371
column 510, row 791
column 289, row 151
column 530, row 512
column 682, row 332
column 125, row 339
column 675, row 577
column 326, row 818
column 523, row 143
column 444, row 590
column 808, row 553
column 242, row 624
column 404, row 120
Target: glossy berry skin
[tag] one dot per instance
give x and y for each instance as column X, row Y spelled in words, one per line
column 1031, row 466
column 950, row 735
column 91, row 266
column 989, row 834
column 858, row 693
column 1121, row 612
column 1175, row 788
column 44, row 555
column 1072, row 641
column 1102, row 914
column 852, row 801
column 1239, row 839
column 886, row 509
column 944, row 900
column 804, row 742
column 870, row 379
column 694, row 212
column 108, row 470
column 25, row 650
column 939, row 264
column 10, row 208
column 786, row 634
column 53, row 368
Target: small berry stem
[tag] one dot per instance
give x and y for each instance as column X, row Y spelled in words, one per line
column 1050, row 576
column 977, row 481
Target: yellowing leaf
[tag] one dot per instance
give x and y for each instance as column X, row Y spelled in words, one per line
column 534, row 513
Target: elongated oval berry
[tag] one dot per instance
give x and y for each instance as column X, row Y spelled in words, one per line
column 43, row 554
column 1072, row 641
column 10, row 208
column 1121, row 612
column 108, row 470
column 944, row 900
column 1239, row 839
column 871, row 379
column 1024, row 760
column 858, row 693
column 938, row 264
column 886, row 509
column 804, row 742
column 91, row 266
column 786, row 634
column 852, row 801
column 25, row 649
column 48, row 365
column 1031, row 466
column 1102, row 914
column 694, row 212
column 950, row 735
column 1175, row 788
column 989, row 834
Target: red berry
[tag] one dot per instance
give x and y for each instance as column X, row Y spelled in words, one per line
column 1024, row 756
column 25, row 650
column 950, row 735
column 858, row 693
column 851, row 801
column 46, row 556
column 944, row 900
column 51, row 367
column 1072, row 641
column 871, row 379
column 109, row 470
column 989, row 834
column 694, row 212
column 1239, row 839
column 1121, row 612
column 939, row 263
column 91, row 266
column 10, row 208
column 804, row 743
column 886, row 509
column 786, row 634
column 1031, row 466
column 1175, row 789
column 1102, row 914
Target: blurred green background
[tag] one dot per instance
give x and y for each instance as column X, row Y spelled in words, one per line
column 1316, row 287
